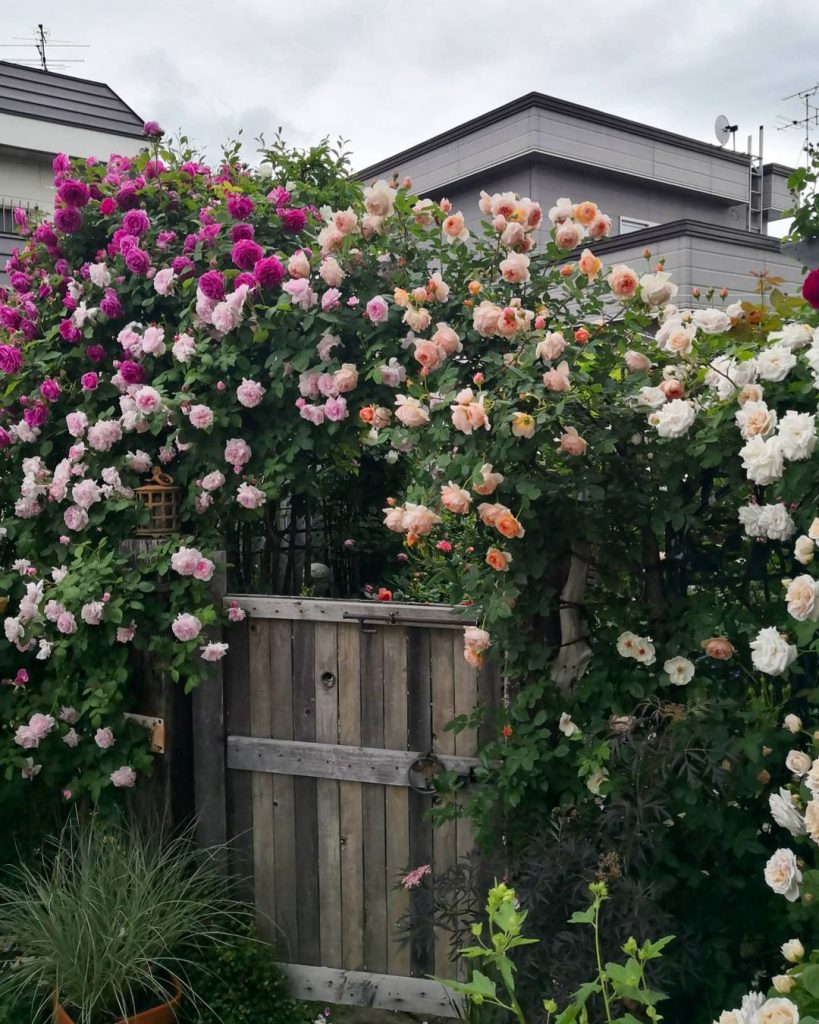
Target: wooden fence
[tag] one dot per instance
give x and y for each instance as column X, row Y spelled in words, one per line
column 312, row 756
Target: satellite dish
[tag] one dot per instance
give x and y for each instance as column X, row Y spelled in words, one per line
column 723, row 129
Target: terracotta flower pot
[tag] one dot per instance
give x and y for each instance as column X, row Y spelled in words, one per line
column 165, row 1013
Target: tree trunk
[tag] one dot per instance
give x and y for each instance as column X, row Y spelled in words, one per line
column 575, row 652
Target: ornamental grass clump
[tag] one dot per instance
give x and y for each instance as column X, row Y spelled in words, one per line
column 110, row 921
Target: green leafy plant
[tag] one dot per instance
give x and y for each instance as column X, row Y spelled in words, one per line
column 620, row 989
column 805, row 211
column 111, row 920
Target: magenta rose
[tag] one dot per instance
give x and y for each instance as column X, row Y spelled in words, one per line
column 36, row 415
column 136, row 222
column 5, row 438
column 152, row 129
column 131, row 372
column 69, row 332
column 138, row 261
column 269, row 271
column 11, row 359
column 74, row 193
column 810, row 289
column 212, row 285
column 50, row 390
column 240, row 231
column 110, row 305
column 239, row 206
column 293, row 220
column 96, row 353
column 68, row 219
column 246, row 253
column 89, row 381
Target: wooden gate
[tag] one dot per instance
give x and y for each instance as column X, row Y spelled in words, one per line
column 326, row 710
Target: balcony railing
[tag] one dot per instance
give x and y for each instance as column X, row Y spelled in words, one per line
column 7, row 208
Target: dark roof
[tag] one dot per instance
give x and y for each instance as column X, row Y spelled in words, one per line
column 45, row 96
column 690, row 228
column 539, row 101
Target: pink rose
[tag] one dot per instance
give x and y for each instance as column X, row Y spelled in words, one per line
column 201, row 417
column 91, row 613
column 69, row 715
column 235, row 613
column 330, row 299
column 428, row 354
column 148, row 400
column 623, row 281
column 330, row 272
column 551, row 346
column 446, row 339
column 298, row 265
column 186, row 627
column 66, row 623
column 41, row 726
column 183, row 348
column 152, row 341
column 104, row 434
column 123, row 777
column 204, row 569
column 75, row 518
column 237, row 452
column 213, row 651
column 25, row 738
column 335, row 409
column 250, row 497
column 249, row 393
column 184, row 561
column 571, row 443
column 410, row 411
column 164, row 281
column 346, row 378
column 636, row 362
column 455, row 499
column 125, row 634
column 77, row 422
column 300, row 292
column 485, row 319
column 86, row 493
column 71, row 738
column 104, row 738
column 568, row 235
column 557, row 379
column 378, row 309
column 213, row 481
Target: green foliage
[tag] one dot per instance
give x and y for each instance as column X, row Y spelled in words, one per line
column 109, row 917
column 805, row 211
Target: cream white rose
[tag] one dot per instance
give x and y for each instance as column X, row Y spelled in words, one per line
column 812, row 820
column 776, row 523
column 567, row 726
column 784, row 812
column 763, row 460
column 651, row 398
column 801, row 599
column 775, row 363
column 804, row 550
column 783, row 983
column 657, row 289
column 792, row 336
column 783, row 876
column 727, row 375
column 712, row 321
column 674, row 419
column 680, row 670
column 771, row 653
column 793, row 723
column 798, row 762
column 776, row 1011
column 793, row 951
column 755, row 419
column 812, row 778
column 797, row 433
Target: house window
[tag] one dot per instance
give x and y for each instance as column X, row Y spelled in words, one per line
column 629, row 224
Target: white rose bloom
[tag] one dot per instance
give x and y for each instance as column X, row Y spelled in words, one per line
column 712, row 321
column 750, row 1004
column 797, row 432
column 775, row 363
column 657, row 289
column 783, row 983
column 771, row 653
column 785, row 814
column 727, row 375
column 680, row 670
column 567, row 726
column 777, row 1011
column 749, row 516
column 793, row 723
column 793, row 951
column 783, row 876
column 731, row 1017
column 627, row 644
column 804, row 550
column 812, row 777
column 674, row 419
column 812, row 359
column 651, row 398
column 756, row 419
column 798, row 763
column 776, row 523
column 792, row 336
column 813, row 530
column 735, row 311
column 763, row 460
column 801, row 598
column 645, row 652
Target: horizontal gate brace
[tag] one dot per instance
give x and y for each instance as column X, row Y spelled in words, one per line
column 315, row 609
column 395, row 618
column 334, row 760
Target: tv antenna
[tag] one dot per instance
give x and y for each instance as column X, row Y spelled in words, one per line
column 811, row 115
column 43, row 43
column 724, row 130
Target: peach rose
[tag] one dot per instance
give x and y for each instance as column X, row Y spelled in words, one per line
column 672, row 388
column 489, row 481
column 572, row 443
column 550, row 347
column 428, row 354
column 750, row 393
column 330, row 272
column 345, row 221
column 718, row 647
column 515, row 268
column 411, row 412
column 473, row 658
column 453, row 228
column 401, row 297
column 346, row 378
column 588, row 263
column 623, row 281
column 558, row 379
column 419, row 520
column 600, row 226
column 485, row 318
column 394, row 519
column 417, row 319
column 636, row 362
column 802, row 599
column 568, row 235
column 298, row 265
column 498, row 560
column 507, row 525
column 489, row 512
column 381, row 417
column 476, row 639
column 455, row 499
column 446, row 339
column 584, row 213
column 513, row 235
column 437, row 289
column 523, row 425
column 422, row 213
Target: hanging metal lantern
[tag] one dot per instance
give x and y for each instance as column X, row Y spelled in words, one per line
column 161, row 498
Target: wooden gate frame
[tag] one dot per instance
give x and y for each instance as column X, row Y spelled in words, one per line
column 218, row 750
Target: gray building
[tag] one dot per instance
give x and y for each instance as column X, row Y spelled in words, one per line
column 705, row 208
column 41, row 114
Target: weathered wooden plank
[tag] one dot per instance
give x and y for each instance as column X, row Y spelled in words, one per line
column 466, row 742
column 420, row 842
column 284, row 845
column 261, row 724
column 239, row 784
column 332, row 761
column 396, row 799
column 379, row 991
column 327, row 799
column 490, row 695
column 306, row 813
column 350, row 801
column 313, row 609
column 374, row 819
column 444, row 836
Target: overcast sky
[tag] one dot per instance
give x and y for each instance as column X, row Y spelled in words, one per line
column 388, row 74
